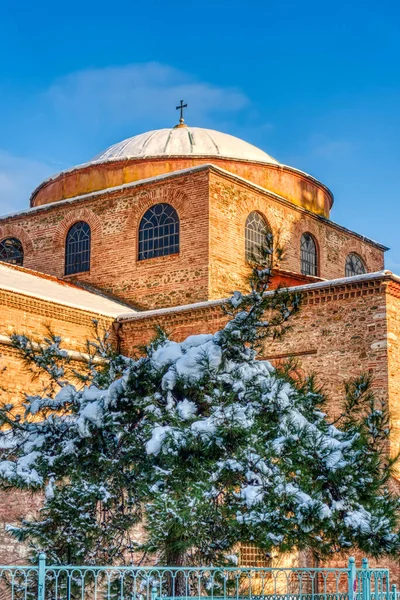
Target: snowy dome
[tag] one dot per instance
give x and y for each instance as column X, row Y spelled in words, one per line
column 184, row 141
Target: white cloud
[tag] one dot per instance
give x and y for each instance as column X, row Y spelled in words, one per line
column 135, row 93
column 81, row 113
column 18, row 177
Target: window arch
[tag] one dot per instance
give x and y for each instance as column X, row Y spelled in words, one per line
column 77, row 248
column 11, row 251
column 354, row 265
column 308, row 255
column 158, row 232
column 258, row 236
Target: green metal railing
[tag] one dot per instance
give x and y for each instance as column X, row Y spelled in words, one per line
column 55, row 582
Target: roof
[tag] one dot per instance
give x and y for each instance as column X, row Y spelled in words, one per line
column 309, row 287
column 37, row 285
column 180, row 173
column 45, row 287
column 184, row 141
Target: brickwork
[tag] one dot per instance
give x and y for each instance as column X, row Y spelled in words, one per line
column 212, row 208
column 31, row 316
column 296, row 187
column 343, row 329
column 230, row 204
column 114, row 220
column 34, row 317
column 393, row 350
column 14, row 506
column 340, row 332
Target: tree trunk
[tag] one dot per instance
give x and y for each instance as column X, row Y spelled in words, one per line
column 178, row 585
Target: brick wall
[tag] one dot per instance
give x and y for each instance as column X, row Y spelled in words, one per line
column 230, row 204
column 393, row 349
column 339, row 333
column 212, row 207
column 114, row 220
column 342, row 330
column 297, row 187
column 34, row 317
column 25, row 314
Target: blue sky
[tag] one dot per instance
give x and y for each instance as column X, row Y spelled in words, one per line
column 315, row 84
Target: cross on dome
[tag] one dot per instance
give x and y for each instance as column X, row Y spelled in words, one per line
column 181, row 107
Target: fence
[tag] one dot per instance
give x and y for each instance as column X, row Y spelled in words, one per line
column 53, row 582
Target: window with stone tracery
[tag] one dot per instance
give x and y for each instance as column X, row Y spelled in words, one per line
column 258, row 236
column 11, row 251
column 354, row 265
column 158, row 232
column 77, row 248
column 308, row 255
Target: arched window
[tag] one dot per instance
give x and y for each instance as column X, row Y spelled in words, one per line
column 77, row 248
column 308, row 255
column 258, row 236
column 354, row 265
column 158, row 232
column 11, row 251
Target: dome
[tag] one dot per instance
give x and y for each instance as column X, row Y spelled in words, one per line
column 141, row 159
column 184, row 141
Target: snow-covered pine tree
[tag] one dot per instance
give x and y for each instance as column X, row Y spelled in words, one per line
column 203, row 444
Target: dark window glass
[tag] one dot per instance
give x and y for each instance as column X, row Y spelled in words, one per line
column 258, row 236
column 308, row 255
column 11, row 251
column 354, row 266
column 158, row 232
column 77, row 249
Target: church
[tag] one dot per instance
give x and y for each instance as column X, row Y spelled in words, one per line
column 158, row 230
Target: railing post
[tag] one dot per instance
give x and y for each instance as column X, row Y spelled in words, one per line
column 153, row 592
column 366, row 580
column 41, row 576
column 352, row 578
column 394, row 592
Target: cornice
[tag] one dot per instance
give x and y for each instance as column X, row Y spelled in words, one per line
column 292, row 205
column 321, row 289
column 210, row 158
column 48, row 308
column 106, row 192
column 184, row 172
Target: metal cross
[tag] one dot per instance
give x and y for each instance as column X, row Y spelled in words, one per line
column 181, row 107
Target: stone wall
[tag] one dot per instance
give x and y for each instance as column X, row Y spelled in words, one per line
column 393, row 349
column 31, row 316
column 212, row 207
column 114, row 220
column 297, row 187
column 343, row 329
column 230, row 204
column 339, row 333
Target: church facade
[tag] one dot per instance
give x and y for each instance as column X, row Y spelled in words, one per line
column 159, row 230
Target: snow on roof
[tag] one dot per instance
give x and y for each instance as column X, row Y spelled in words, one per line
column 308, row 287
column 38, row 285
column 184, row 141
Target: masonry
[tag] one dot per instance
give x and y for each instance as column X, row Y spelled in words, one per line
column 343, row 329
column 212, row 207
column 200, row 202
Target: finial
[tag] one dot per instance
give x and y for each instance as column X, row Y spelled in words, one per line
column 181, row 120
